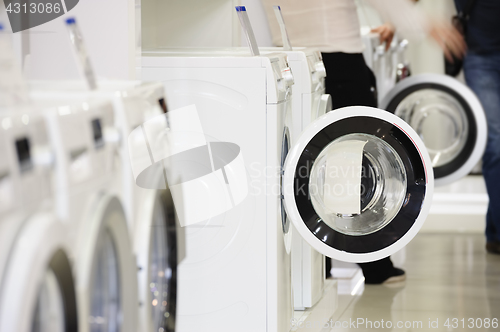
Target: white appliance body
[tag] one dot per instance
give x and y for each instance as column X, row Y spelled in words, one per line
column 36, row 283
column 81, row 134
column 150, row 214
column 309, row 102
column 237, row 269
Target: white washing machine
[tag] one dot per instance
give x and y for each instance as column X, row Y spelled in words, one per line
column 237, row 264
column 447, row 116
column 81, row 134
column 37, row 291
column 309, row 102
column 157, row 239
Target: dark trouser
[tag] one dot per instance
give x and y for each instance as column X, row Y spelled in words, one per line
column 351, row 83
column 482, row 73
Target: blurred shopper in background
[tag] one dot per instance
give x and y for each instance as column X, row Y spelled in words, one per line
column 482, row 74
column 332, row 27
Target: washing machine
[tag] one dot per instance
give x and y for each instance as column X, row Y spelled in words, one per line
column 447, row 116
column 37, row 290
column 84, row 142
column 157, row 237
column 237, row 264
column 309, row 102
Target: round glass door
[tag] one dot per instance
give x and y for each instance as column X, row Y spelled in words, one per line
column 448, row 118
column 55, row 309
column 378, row 194
column 49, row 312
column 358, row 184
column 105, row 311
column 162, row 270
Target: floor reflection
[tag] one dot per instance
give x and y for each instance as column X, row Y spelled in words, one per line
column 450, row 280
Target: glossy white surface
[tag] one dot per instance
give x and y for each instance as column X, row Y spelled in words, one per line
column 236, row 274
column 29, row 232
column 309, row 103
column 85, row 199
column 133, row 103
column 320, row 313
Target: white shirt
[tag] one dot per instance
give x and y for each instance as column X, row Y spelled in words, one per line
column 333, row 25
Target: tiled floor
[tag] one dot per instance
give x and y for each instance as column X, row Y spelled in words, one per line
column 448, row 276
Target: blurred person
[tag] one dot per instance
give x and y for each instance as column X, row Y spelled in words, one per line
column 482, row 74
column 332, row 27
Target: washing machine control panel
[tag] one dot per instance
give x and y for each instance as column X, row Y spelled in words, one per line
column 80, row 133
column 282, row 77
column 316, row 67
column 24, row 181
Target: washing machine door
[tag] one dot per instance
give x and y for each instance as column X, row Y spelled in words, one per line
column 106, row 270
column 157, row 250
column 37, row 291
column 358, row 184
column 449, row 119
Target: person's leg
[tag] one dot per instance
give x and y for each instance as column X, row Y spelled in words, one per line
column 482, row 73
column 382, row 271
column 351, row 83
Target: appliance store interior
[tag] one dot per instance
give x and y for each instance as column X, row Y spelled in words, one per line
column 249, row 165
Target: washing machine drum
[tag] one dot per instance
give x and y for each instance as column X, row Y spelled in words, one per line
column 448, row 118
column 358, row 184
